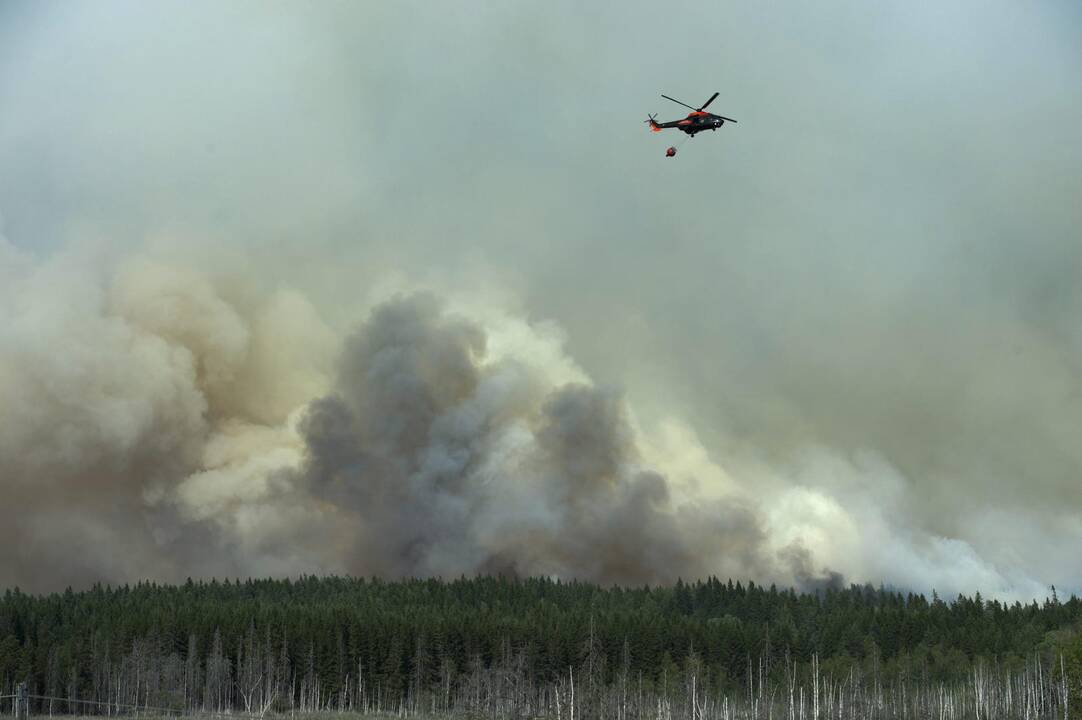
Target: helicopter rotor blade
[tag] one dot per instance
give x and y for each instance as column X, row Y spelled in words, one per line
column 708, row 101
column 678, row 102
column 725, row 118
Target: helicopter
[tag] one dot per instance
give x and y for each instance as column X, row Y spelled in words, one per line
column 695, row 122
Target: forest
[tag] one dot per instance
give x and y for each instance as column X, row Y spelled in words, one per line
column 514, row 647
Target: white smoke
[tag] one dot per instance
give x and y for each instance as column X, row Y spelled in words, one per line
column 178, row 433
column 157, row 422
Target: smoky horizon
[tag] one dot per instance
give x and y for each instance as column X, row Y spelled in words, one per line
column 411, row 290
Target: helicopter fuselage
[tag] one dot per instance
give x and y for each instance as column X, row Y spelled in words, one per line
column 694, row 123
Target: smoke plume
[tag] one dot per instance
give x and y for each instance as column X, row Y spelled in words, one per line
column 446, row 461
column 153, row 428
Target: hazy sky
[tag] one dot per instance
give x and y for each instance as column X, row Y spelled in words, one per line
column 841, row 336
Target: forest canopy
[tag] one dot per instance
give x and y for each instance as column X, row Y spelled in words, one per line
column 344, row 634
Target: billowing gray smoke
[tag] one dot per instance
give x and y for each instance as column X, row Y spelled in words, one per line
column 449, row 464
column 154, row 427
column 159, row 422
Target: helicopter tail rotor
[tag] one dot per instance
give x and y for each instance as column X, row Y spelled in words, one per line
column 650, row 121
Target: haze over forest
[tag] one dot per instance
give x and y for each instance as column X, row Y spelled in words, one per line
column 408, row 289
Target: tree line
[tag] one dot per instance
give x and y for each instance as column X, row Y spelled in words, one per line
column 702, row 649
